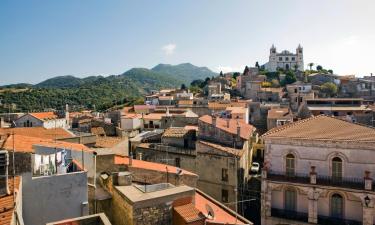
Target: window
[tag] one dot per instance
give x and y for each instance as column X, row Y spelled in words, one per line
column 290, row 165
column 295, row 90
column 336, row 168
column 224, row 174
column 286, row 58
column 337, row 206
column 290, row 200
column 224, row 195
column 178, row 162
column 280, row 59
column 293, row 58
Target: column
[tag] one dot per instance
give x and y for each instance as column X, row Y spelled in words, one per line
column 368, row 215
column 313, row 197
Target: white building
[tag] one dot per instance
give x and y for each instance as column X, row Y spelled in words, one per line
column 285, row 60
column 319, row 171
column 47, row 120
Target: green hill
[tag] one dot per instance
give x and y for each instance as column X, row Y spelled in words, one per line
column 98, row 92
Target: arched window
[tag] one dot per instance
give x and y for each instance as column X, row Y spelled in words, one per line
column 337, row 206
column 290, row 165
column 336, row 168
column 290, row 200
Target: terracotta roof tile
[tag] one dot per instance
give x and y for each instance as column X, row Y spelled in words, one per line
column 223, row 215
column 323, row 128
column 229, row 150
column 26, row 143
column 149, row 165
column 44, row 115
column 39, row 132
column 177, row 132
column 189, row 213
column 277, row 113
column 245, row 132
column 7, row 204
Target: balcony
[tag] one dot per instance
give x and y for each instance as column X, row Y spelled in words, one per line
column 345, row 182
column 290, row 215
column 325, row 220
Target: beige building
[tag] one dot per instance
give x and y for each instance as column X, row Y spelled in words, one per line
column 298, row 93
column 318, row 171
column 278, row 116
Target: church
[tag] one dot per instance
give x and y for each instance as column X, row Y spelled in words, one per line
column 285, row 60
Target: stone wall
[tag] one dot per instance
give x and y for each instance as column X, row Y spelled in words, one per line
column 158, row 214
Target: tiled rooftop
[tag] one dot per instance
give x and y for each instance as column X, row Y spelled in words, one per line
column 149, row 165
column 245, row 132
column 39, row 132
column 189, row 213
column 7, row 204
column 176, row 132
column 278, row 113
column 229, row 150
column 323, row 128
column 26, row 143
column 44, row 115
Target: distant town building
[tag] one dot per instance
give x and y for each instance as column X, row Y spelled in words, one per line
column 285, row 60
column 42, row 119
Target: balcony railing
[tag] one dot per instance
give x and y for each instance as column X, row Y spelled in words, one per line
column 347, row 182
column 325, row 220
column 290, row 215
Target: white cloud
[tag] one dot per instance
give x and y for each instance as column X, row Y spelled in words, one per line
column 169, row 49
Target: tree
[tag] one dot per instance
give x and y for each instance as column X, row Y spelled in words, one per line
column 330, row 71
column 310, row 65
column 183, row 87
column 329, row 89
column 235, row 75
column 257, row 65
column 246, row 70
column 197, row 83
column 295, row 67
column 319, row 68
column 290, row 77
column 221, row 73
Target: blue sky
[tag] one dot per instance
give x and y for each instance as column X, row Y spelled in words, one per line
column 41, row 39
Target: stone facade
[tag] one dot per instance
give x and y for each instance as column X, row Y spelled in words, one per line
column 285, row 60
column 313, row 183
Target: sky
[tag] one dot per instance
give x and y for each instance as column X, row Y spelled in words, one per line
column 41, row 39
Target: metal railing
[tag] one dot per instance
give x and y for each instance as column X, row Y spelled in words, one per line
column 288, row 214
column 326, row 220
column 347, row 182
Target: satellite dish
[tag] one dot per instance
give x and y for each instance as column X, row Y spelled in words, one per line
column 178, row 171
column 210, row 212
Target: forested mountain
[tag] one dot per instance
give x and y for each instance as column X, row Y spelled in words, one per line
column 187, row 72
column 98, row 92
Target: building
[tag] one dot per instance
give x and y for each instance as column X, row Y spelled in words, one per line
column 270, row 94
column 350, row 109
column 224, row 145
column 278, row 117
column 318, row 171
column 42, row 119
column 298, row 93
column 285, row 60
column 52, row 177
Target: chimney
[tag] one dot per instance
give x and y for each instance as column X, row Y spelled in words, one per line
column 238, row 130
column 4, row 164
column 67, row 115
column 228, row 123
column 124, row 178
column 214, row 120
column 368, row 181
